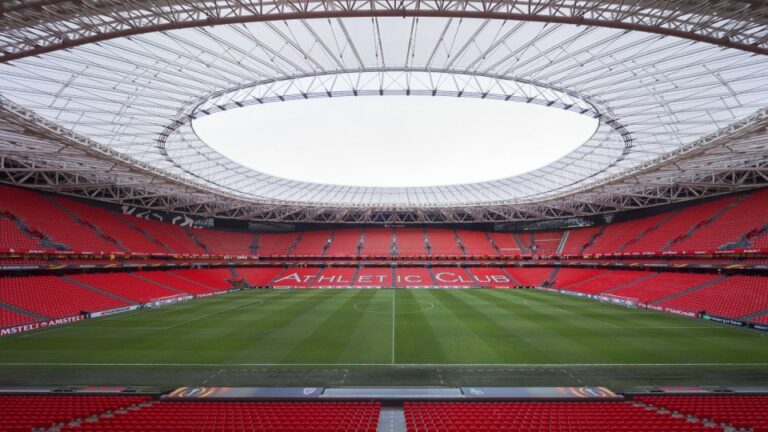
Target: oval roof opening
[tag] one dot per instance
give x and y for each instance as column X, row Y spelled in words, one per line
column 395, row 141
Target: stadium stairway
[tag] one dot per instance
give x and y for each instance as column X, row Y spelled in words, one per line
column 688, row 291
column 85, row 224
column 628, row 284
column 493, row 244
column 197, row 240
column 25, row 312
column 145, row 233
column 153, row 282
column 255, row 243
column 98, row 291
column 523, row 249
column 691, row 232
column 753, row 315
column 640, row 236
column 509, row 275
column 391, row 419
column 563, row 242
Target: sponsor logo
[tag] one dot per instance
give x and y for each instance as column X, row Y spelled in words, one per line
column 39, row 325
column 679, row 312
column 113, row 311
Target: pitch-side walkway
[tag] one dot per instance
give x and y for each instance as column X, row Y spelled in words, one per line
column 391, row 419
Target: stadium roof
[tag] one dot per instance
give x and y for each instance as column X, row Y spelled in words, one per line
column 98, row 98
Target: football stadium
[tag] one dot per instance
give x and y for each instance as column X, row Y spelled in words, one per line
column 421, row 216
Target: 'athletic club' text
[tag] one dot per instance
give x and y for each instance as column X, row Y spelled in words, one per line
column 441, row 278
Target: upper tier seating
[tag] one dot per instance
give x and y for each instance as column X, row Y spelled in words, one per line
column 607, row 281
column 259, row 276
column 334, row 277
column 410, row 242
column 733, row 297
column 743, row 412
column 506, row 244
column 312, row 243
column 218, row 242
column 113, row 225
column 169, row 279
column 546, row 242
column 11, row 237
column 578, row 239
column 678, row 226
column 53, row 297
column 345, row 242
column 617, row 235
column 73, row 225
column 276, row 244
column 476, row 243
column 10, row 318
column 730, row 226
column 213, row 278
column 374, row 277
column 233, row 416
column 413, row 277
column 26, row 412
column 378, row 242
column 540, row 417
column 173, row 236
column 126, row 286
column 40, row 214
column 663, row 285
column 443, row 242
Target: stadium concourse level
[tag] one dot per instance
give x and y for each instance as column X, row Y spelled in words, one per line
column 156, row 412
column 34, row 221
column 26, row 300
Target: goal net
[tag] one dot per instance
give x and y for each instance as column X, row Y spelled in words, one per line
column 620, row 300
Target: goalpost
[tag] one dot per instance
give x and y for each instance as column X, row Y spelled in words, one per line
column 630, row 302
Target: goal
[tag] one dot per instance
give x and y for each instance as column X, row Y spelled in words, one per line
column 624, row 301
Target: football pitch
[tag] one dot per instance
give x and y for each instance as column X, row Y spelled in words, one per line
column 387, row 337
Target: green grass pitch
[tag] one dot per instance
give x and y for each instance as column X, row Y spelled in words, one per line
column 450, row 337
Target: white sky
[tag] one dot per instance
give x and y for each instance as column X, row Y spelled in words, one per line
column 395, row 141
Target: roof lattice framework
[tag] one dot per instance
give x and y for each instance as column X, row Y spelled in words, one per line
column 98, row 98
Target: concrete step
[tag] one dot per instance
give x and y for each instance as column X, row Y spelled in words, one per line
column 391, row 419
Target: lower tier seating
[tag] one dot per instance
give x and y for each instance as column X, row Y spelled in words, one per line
column 259, row 276
column 242, row 416
column 10, row 318
column 744, row 412
column 335, row 277
column 608, row 281
column 373, row 277
column 663, row 285
column 126, row 286
column 533, row 276
column 213, row 278
column 168, row 279
column 53, row 297
column 540, row 417
column 24, row 413
column 491, row 277
column 733, row 297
